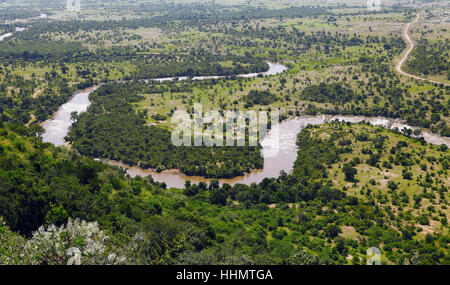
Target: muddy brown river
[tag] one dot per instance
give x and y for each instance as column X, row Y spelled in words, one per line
column 58, row 127
column 287, row 153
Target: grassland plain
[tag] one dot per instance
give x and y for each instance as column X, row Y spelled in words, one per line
column 287, row 40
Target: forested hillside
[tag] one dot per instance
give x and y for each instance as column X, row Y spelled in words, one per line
column 335, row 205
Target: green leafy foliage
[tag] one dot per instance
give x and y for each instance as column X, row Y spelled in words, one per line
column 112, row 129
column 256, row 97
column 323, row 92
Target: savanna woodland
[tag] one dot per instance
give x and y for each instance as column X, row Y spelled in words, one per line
column 352, row 186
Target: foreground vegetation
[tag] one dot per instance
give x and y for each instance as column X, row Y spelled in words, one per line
column 353, row 187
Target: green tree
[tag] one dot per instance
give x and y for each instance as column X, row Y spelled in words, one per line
column 349, row 172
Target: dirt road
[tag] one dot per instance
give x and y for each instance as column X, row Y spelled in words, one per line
column 411, row 44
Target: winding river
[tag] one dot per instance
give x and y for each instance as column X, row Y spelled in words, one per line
column 7, row 35
column 287, row 151
column 58, row 127
column 274, row 68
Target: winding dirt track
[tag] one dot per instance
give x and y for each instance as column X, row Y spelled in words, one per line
column 412, row 44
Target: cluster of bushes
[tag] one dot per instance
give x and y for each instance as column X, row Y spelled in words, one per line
column 257, row 97
column 429, row 58
column 112, row 129
column 323, row 92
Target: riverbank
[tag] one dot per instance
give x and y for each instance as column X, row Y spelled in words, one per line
column 58, row 127
column 287, row 151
